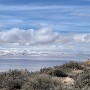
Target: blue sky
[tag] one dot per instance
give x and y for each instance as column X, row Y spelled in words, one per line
column 45, row 2
column 54, row 22
column 63, row 15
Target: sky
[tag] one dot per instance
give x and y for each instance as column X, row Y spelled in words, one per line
column 62, row 24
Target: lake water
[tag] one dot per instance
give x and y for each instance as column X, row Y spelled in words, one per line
column 33, row 63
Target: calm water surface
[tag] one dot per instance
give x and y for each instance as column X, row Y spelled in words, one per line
column 32, row 63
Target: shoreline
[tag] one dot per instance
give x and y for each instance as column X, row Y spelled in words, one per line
column 67, row 76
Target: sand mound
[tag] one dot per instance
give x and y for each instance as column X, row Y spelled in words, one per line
column 68, row 81
column 87, row 62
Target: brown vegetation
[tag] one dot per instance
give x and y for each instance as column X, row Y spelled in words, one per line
column 69, row 76
column 87, row 62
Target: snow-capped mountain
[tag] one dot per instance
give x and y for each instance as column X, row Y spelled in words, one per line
column 40, row 52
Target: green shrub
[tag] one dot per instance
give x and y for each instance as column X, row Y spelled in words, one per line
column 58, row 73
column 13, row 79
column 72, row 65
column 46, row 78
column 40, row 82
column 83, row 80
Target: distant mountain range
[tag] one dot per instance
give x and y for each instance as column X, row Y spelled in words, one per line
column 37, row 52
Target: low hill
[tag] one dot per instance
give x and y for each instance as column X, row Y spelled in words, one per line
column 69, row 76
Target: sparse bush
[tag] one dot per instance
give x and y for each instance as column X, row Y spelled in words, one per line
column 72, row 65
column 13, row 79
column 40, row 82
column 58, row 73
column 83, row 80
column 46, row 79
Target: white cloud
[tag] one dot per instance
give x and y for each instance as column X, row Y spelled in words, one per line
column 24, row 7
column 28, row 37
column 82, row 37
column 82, row 14
column 41, row 7
column 43, row 36
column 15, row 35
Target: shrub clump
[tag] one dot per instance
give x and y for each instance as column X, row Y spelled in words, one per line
column 12, row 80
column 72, row 65
column 83, row 80
column 58, row 73
column 42, row 82
column 56, row 78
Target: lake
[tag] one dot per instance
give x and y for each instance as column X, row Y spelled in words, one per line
column 33, row 63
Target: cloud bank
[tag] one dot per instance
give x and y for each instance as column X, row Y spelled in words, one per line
column 42, row 36
column 28, row 37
